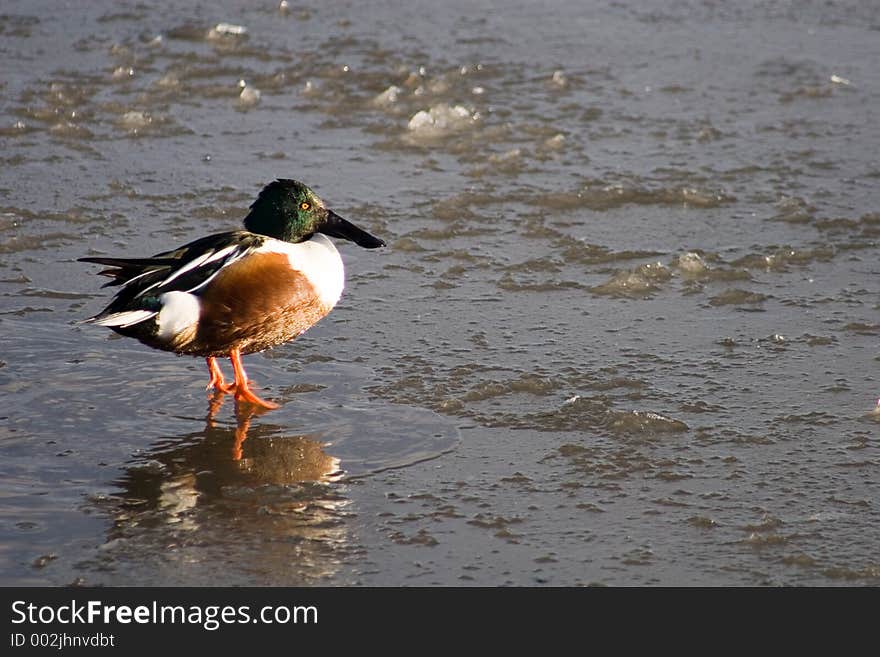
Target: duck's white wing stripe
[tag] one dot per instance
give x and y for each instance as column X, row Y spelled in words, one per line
column 126, row 318
column 221, row 254
column 196, row 262
column 141, row 275
column 207, row 280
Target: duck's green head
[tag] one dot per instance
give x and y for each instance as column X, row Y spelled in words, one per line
column 288, row 210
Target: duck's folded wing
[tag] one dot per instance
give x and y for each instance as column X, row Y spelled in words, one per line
column 187, row 269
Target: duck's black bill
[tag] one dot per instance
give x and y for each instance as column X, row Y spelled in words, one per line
column 336, row 226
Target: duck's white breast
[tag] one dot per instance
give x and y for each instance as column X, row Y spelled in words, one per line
column 318, row 260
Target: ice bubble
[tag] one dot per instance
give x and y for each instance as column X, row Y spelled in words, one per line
column 507, row 157
column 227, row 29
column 388, row 97
column 555, row 142
column 421, row 120
column 168, row 81
column 249, row 96
column 645, row 422
column 123, row 73
column 135, row 120
column 226, row 33
column 691, row 263
column 440, row 119
column 635, row 283
column 71, row 130
column 707, row 134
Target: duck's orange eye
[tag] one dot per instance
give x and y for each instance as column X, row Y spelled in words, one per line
column 305, row 205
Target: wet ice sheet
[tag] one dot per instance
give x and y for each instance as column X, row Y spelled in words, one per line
column 193, row 465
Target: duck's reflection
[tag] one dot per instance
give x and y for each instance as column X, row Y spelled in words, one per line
column 301, row 458
column 257, row 503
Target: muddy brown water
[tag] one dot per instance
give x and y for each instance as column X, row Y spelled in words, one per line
column 625, row 332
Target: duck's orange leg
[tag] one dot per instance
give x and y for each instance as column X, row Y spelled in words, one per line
column 217, row 381
column 242, row 385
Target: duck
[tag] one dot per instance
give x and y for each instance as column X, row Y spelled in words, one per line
column 239, row 292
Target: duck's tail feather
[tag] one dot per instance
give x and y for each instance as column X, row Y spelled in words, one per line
column 125, row 270
column 139, row 263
